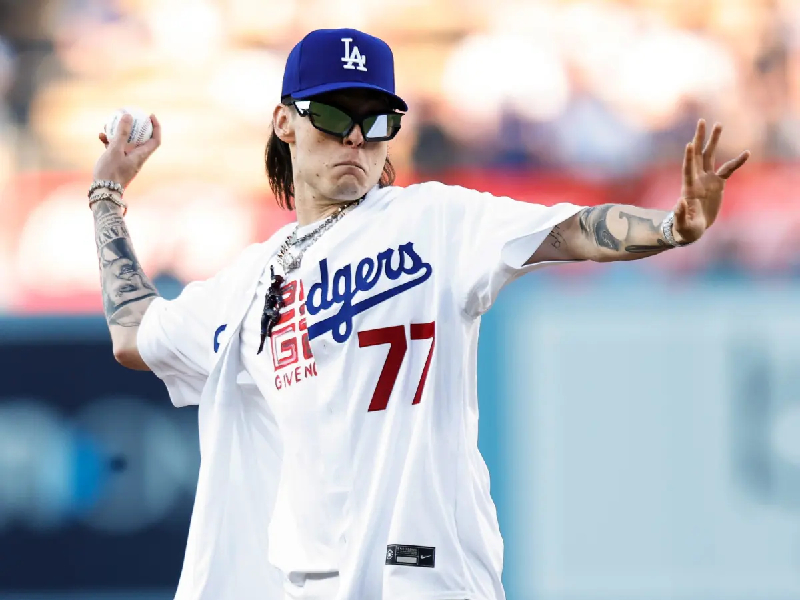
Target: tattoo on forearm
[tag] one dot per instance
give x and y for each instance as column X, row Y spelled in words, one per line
column 122, row 279
column 556, row 237
column 594, row 222
column 641, row 234
column 640, row 249
column 641, row 229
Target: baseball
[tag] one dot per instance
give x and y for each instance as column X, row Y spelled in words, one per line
column 141, row 130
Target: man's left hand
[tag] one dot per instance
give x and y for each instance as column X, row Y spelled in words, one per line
column 701, row 193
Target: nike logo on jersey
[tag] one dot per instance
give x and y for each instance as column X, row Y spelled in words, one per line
column 347, row 282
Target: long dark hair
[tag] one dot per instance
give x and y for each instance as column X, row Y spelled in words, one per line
column 278, row 162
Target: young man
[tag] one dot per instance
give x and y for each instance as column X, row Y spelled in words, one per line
column 335, row 364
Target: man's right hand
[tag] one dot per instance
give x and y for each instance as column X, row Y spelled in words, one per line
column 122, row 161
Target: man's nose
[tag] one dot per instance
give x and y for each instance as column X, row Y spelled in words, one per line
column 355, row 138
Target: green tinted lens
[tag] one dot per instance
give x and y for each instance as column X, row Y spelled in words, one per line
column 381, row 127
column 337, row 122
column 329, row 119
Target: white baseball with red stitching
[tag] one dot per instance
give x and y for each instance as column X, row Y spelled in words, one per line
column 141, row 130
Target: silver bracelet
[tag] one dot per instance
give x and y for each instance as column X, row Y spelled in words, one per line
column 666, row 231
column 100, row 196
column 105, row 183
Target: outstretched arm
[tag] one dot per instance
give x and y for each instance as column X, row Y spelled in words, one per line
column 127, row 292
column 606, row 233
column 614, row 232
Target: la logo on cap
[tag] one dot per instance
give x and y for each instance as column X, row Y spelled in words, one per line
column 355, row 56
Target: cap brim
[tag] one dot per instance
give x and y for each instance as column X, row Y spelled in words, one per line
column 398, row 102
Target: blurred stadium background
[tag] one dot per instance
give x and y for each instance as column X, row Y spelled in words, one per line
column 641, row 421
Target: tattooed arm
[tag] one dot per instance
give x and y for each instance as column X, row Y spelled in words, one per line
column 127, row 292
column 620, row 232
column 605, row 233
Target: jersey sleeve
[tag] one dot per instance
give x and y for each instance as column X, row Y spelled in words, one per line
column 173, row 340
column 495, row 237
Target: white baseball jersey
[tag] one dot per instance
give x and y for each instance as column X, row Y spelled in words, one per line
column 370, row 379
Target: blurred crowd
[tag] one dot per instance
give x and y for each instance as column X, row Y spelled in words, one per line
column 607, row 85
column 604, row 91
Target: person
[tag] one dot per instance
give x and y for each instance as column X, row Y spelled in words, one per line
column 334, row 364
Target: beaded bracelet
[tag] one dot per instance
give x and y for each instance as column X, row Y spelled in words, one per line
column 105, row 183
column 100, row 196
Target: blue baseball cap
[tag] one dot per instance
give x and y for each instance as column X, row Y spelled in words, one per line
column 339, row 59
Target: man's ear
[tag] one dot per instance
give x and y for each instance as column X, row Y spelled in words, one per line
column 283, row 123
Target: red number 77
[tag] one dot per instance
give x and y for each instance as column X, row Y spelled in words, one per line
column 396, row 338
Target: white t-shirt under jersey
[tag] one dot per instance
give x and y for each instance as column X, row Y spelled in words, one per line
column 285, row 373
column 380, row 472
column 307, row 550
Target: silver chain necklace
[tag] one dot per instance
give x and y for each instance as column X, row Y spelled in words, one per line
column 293, row 248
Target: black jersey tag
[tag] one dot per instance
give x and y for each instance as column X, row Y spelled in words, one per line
column 410, row 556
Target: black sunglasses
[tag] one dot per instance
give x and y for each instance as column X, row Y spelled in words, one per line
column 273, row 303
column 377, row 127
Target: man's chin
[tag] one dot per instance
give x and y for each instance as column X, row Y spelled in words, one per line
column 348, row 191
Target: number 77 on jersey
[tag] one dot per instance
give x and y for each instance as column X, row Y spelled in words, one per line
column 395, row 337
